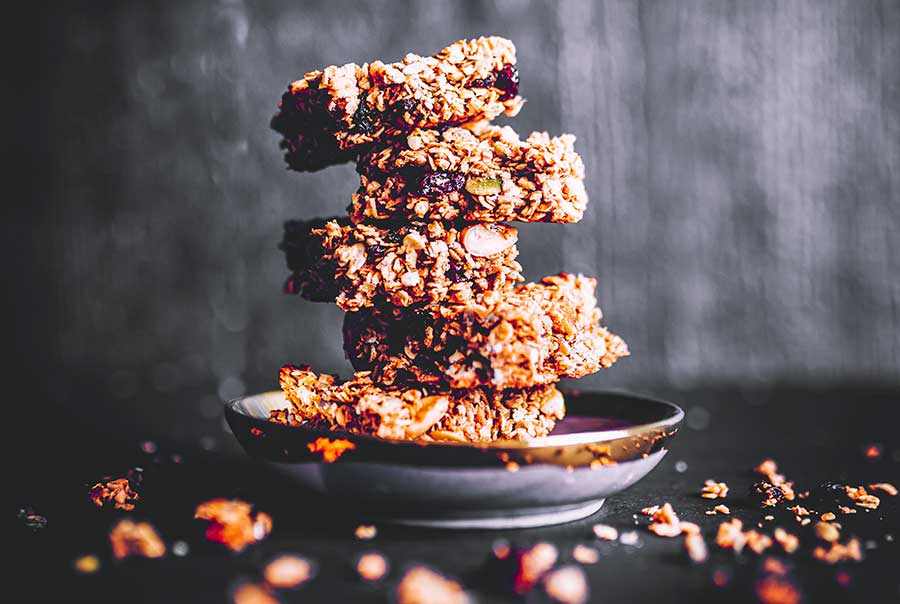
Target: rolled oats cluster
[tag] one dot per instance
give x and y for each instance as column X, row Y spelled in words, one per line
column 485, row 174
column 535, row 334
column 447, row 342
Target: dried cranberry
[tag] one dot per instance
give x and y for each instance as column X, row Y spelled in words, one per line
column 482, row 82
column 507, row 80
column 397, row 111
column 365, row 118
column 454, row 273
column 769, row 491
column 377, row 250
column 439, row 183
column 292, row 285
column 394, row 237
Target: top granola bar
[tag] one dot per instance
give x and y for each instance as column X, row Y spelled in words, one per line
column 475, row 173
column 332, row 115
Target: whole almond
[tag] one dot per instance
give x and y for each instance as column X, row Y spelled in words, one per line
column 487, row 240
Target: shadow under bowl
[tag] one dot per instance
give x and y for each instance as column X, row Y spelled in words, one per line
column 607, row 442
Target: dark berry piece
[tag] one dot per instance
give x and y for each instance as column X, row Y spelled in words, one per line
column 397, row 111
column 440, row 183
column 769, row 491
column 365, row 118
column 454, row 273
column 292, row 285
column 377, row 250
column 483, row 82
column 507, row 80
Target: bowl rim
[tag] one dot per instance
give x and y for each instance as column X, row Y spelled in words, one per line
column 669, row 422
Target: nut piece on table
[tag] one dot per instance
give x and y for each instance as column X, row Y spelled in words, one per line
column 129, row 538
column 231, row 523
column 483, row 240
column 423, row 586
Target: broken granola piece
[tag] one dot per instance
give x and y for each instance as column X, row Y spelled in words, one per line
column 774, row 589
column 567, row 585
column 253, row 593
column 361, row 406
column 731, row 535
column 117, row 492
column 533, row 335
column 722, row 509
column 331, row 448
column 827, row 532
column 372, row 566
column 758, row 542
column 696, row 548
column 884, row 486
column 288, row 571
column 585, row 554
column 402, row 265
column 366, row 532
column 531, row 564
column 839, row 552
column 605, row 532
column 87, row 564
column 714, row 490
column 862, row 498
column 424, row 586
column 232, row 524
column 788, row 542
column 487, row 174
column 330, row 116
column 771, row 494
column 129, row 538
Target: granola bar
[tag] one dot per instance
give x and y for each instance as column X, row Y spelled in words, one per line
column 533, row 335
column 482, row 174
column 329, row 116
column 399, row 264
column 362, row 406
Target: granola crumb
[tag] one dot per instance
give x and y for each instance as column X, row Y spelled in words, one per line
column 117, row 492
column 366, row 532
column 288, row 571
column 788, row 542
column 769, row 517
column 843, row 509
column 804, row 521
column 87, row 564
column 714, row 490
column 884, row 486
column 774, row 589
column 372, row 567
column 862, row 498
column 512, row 466
column 31, row 519
column 827, row 517
column 758, row 542
column 722, row 509
column 839, row 552
column 129, row 538
column 731, row 535
column 253, row 593
column 567, row 585
column 331, row 450
column 827, row 532
column 696, row 548
column 774, row 566
column 421, row 585
column 605, row 532
column 585, row 555
column 629, row 538
column 232, row 524
column 664, row 521
column 873, row 451
column 533, row 564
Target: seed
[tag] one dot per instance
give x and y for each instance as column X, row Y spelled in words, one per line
column 484, row 186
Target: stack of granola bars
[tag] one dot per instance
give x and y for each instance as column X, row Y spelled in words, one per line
column 446, row 341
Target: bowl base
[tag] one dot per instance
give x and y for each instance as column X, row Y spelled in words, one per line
column 504, row 519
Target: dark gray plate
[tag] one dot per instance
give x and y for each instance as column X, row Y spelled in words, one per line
column 607, row 442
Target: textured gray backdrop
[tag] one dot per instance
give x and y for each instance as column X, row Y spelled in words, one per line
column 743, row 161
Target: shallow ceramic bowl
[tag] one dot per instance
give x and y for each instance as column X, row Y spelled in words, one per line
column 607, row 442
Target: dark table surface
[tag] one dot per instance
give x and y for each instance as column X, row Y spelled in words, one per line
column 815, row 436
